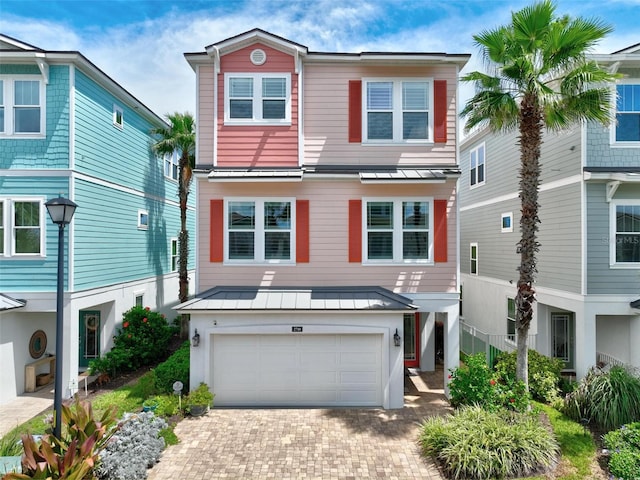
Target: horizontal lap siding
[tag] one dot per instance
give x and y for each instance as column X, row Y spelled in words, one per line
column 105, row 151
column 326, row 118
column 260, row 145
column 40, row 273
column 328, row 233
column 109, row 246
column 601, row 278
column 206, row 114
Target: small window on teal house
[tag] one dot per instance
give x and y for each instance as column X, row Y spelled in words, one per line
column 143, row 219
column 118, row 116
column 174, row 254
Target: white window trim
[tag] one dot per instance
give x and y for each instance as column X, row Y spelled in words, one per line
column 504, row 229
column 258, row 247
column 612, row 235
column 397, row 231
column 117, row 109
column 612, row 128
column 142, row 226
column 9, row 227
column 257, row 99
column 484, row 162
column 472, row 259
column 177, row 255
column 8, row 99
column 173, row 159
column 508, row 340
column 397, row 111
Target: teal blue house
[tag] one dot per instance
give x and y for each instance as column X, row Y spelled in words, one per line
column 68, row 129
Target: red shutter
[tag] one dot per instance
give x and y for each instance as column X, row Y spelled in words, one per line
column 355, row 111
column 440, row 230
column 440, row 111
column 216, row 231
column 302, row 231
column 355, row 231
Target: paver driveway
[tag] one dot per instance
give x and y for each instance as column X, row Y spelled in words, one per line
column 307, row 443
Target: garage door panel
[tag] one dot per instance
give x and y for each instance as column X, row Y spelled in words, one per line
column 319, row 359
column 290, row 370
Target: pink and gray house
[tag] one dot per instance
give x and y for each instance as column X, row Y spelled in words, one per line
column 327, row 227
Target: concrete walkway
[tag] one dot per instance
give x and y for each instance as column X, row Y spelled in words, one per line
column 323, row 444
column 24, row 408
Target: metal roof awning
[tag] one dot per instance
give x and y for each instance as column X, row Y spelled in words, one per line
column 297, row 298
column 9, row 303
column 403, row 175
column 277, row 175
column 635, row 304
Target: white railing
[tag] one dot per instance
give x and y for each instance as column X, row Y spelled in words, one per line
column 474, row 341
column 605, row 360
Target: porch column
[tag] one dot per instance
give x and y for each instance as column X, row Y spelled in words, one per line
column 451, row 343
column 427, row 341
column 585, row 340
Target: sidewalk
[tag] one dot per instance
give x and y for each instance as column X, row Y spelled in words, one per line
column 24, row 408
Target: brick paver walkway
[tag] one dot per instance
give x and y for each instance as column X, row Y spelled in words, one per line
column 307, row 443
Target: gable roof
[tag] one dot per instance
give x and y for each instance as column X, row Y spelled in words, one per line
column 231, row 44
column 297, row 298
column 16, row 51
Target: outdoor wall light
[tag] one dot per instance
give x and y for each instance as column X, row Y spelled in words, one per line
column 397, row 341
column 195, row 340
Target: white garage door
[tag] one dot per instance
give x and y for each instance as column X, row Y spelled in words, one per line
column 297, row 370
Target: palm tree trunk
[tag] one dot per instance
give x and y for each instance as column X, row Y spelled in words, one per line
column 183, row 247
column 530, row 143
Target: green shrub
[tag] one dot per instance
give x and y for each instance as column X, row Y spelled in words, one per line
column 174, row 368
column 474, row 384
column 475, row 443
column 608, row 399
column 544, row 373
column 142, row 340
column 624, row 449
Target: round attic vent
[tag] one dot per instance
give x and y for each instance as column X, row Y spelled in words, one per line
column 258, row 57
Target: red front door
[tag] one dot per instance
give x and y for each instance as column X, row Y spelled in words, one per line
column 412, row 340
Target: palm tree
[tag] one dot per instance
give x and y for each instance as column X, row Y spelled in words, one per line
column 180, row 137
column 540, row 78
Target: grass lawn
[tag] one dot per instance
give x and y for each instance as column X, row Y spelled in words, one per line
column 579, row 451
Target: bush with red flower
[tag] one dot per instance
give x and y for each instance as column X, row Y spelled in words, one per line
column 142, row 340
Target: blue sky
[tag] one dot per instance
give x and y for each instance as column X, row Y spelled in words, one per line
column 140, row 43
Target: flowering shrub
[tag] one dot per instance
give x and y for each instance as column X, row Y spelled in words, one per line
column 475, row 384
column 135, row 447
column 142, row 340
column 624, row 449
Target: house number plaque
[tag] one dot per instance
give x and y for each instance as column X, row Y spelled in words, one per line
column 296, row 329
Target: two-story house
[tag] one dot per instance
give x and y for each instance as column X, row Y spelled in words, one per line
column 66, row 128
column 327, row 225
column 588, row 283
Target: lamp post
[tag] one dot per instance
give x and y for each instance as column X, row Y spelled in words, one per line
column 61, row 211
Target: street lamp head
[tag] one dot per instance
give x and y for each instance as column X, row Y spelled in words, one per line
column 61, row 210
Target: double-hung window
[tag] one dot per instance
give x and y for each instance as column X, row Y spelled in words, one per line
column 171, row 165
column 258, row 98
column 625, row 227
column 21, row 227
column 174, row 254
column 260, row 230
column 398, row 230
column 22, row 111
column 476, row 166
column 627, row 128
column 473, row 258
column 397, row 111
